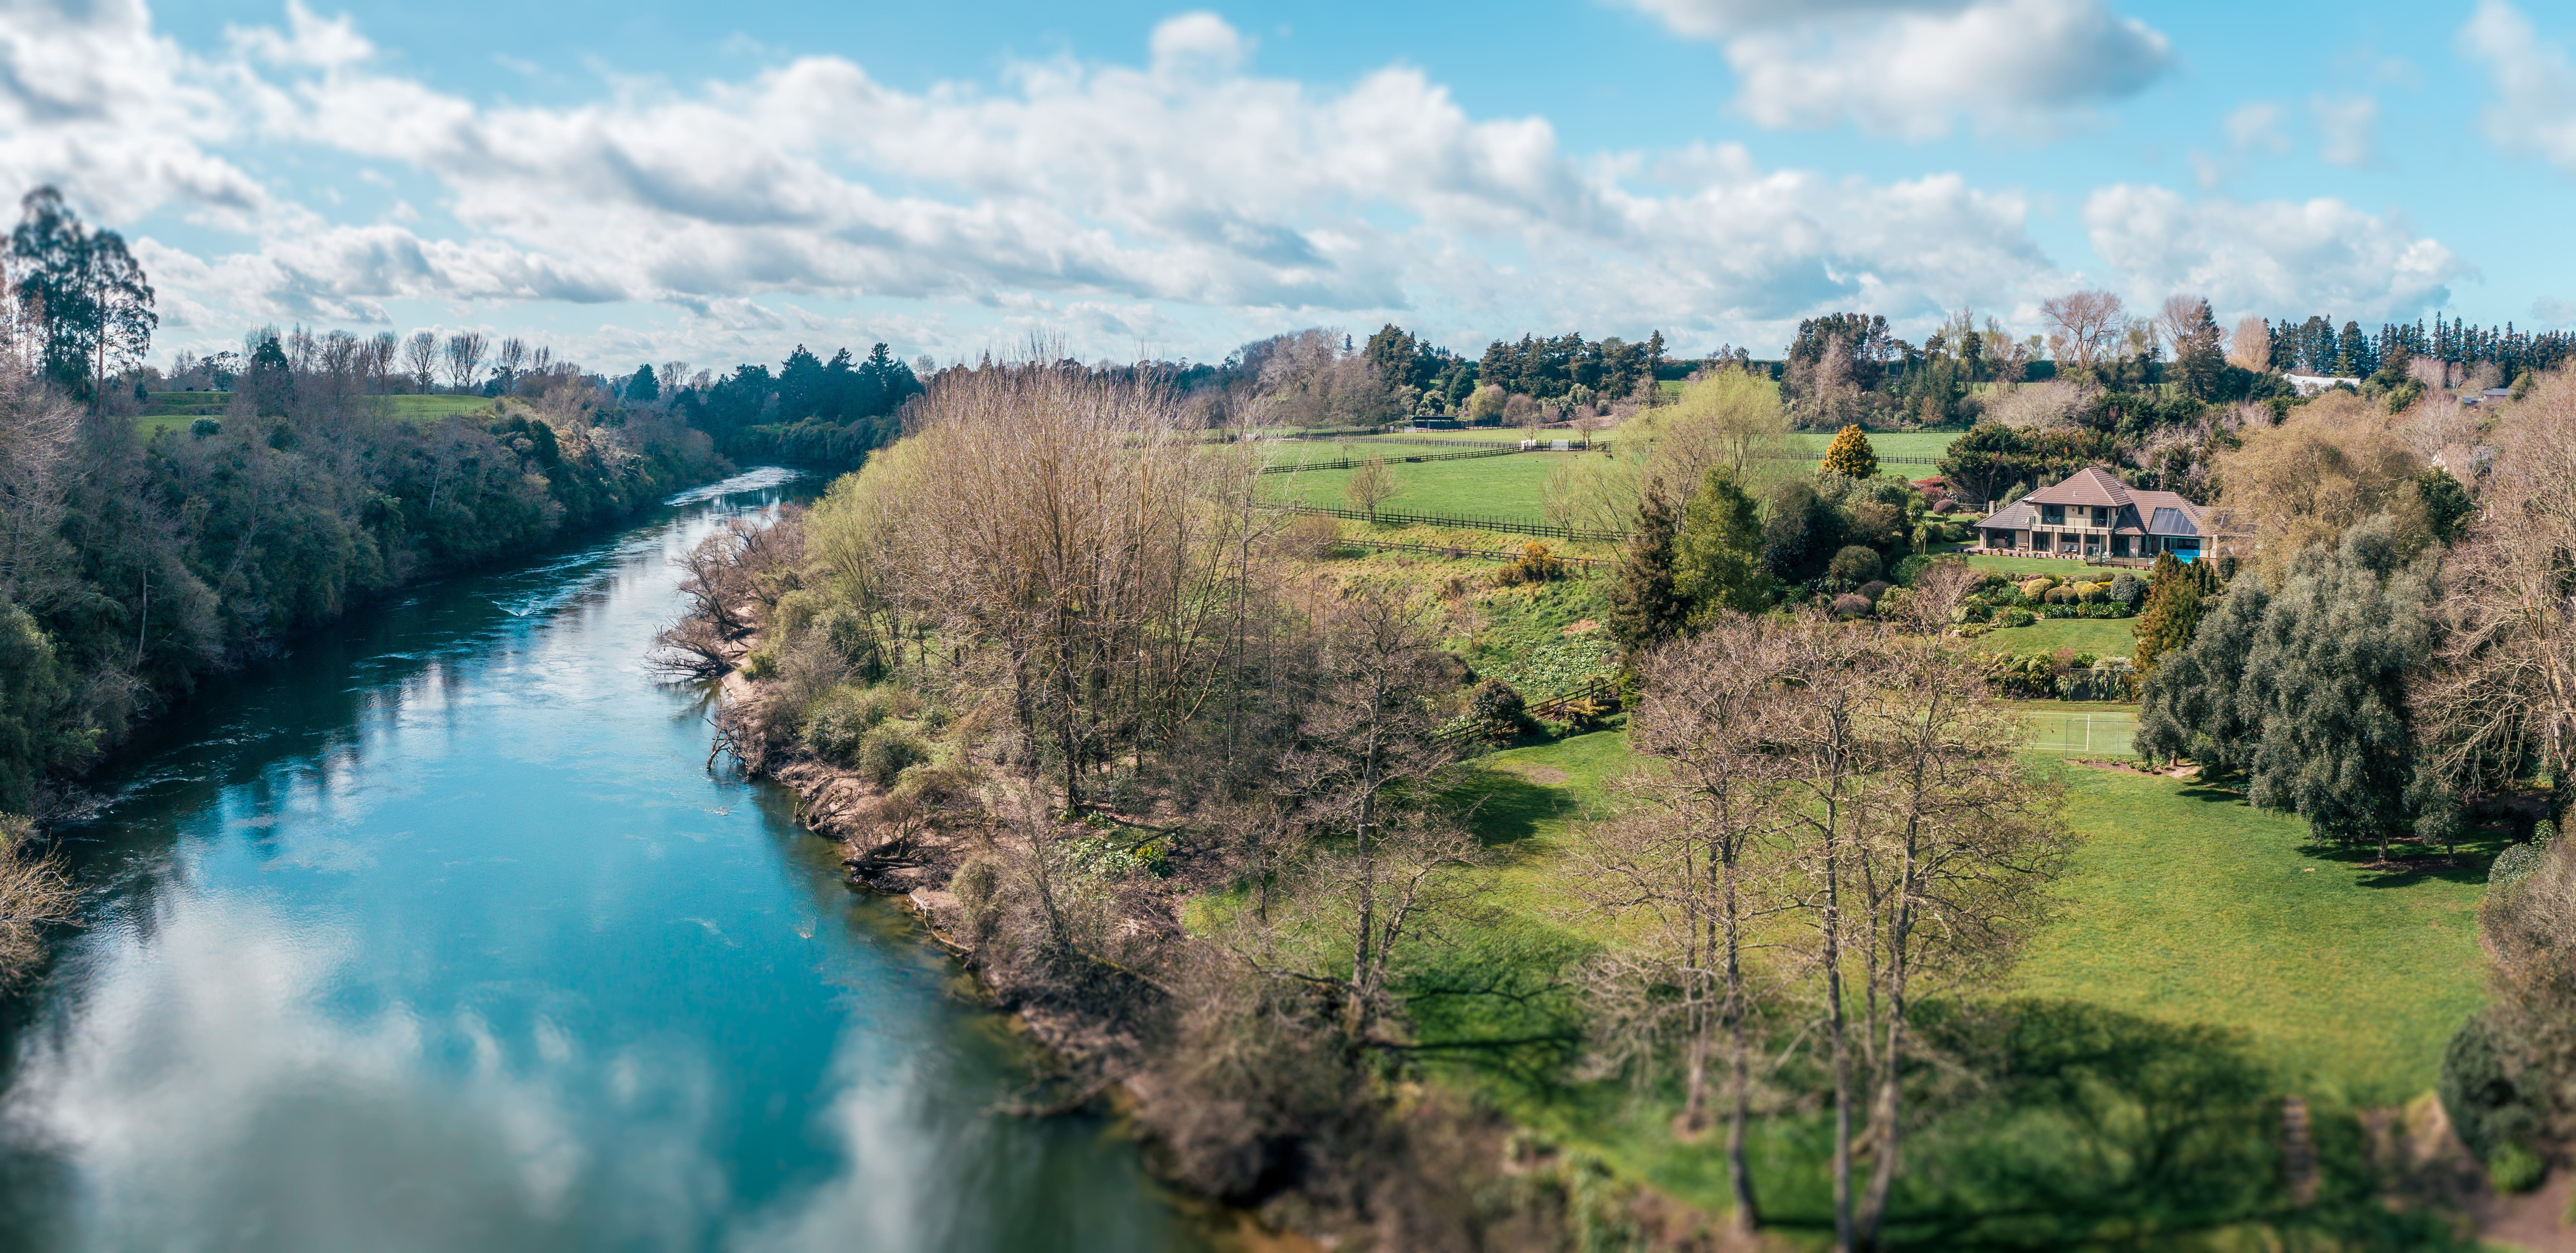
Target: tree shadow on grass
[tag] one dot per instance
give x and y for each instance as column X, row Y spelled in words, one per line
column 1504, row 808
column 2090, row 1128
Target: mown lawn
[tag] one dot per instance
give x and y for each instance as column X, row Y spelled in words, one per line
column 2203, row 962
column 2102, row 637
column 2023, row 567
column 174, row 411
column 2188, row 906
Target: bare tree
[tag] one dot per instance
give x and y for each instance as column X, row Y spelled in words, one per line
column 674, row 376
column 1369, row 486
column 511, row 358
column 465, row 351
column 1368, row 730
column 2250, row 347
column 2504, row 690
column 35, row 894
column 384, row 350
column 1958, row 837
column 420, row 352
column 2086, row 325
column 1684, row 868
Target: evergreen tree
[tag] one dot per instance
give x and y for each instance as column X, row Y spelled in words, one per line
column 1717, row 557
column 2188, row 706
column 1850, row 454
column 2172, row 612
column 1645, row 608
column 643, row 389
column 2446, row 504
column 91, row 293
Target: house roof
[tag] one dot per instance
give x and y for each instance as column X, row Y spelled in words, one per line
column 2091, row 485
column 2140, row 512
column 2018, row 516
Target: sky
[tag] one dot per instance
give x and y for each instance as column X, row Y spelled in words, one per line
column 716, row 183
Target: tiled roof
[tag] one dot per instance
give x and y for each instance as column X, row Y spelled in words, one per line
column 2018, row 517
column 2089, row 486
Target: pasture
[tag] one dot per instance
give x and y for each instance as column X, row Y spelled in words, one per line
column 2102, row 637
column 174, row 411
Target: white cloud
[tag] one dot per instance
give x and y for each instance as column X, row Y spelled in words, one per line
column 2350, row 125
column 1912, row 67
column 2256, row 127
column 92, row 101
column 1077, row 197
column 2269, row 257
column 2554, row 312
column 2535, row 108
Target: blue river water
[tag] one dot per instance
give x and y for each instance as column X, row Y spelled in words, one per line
column 437, row 933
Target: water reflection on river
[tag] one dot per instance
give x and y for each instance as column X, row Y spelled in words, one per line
column 438, row 935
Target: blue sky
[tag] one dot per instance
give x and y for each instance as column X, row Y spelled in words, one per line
column 715, row 183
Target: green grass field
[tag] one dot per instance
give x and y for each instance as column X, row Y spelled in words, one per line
column 2203, row 961
column 2190, row 907
column 2021, row 567
column 2102, row 637
column 174, row 411
column 1498, row 487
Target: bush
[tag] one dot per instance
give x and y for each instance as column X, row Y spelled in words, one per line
column 1873, row 590
column 885, row 752
column 1536, row 565
column 1498, row 707
column 2036, row 586
column 2128, row 589
column 836, row 724
column 1944, row 505
column 2089, row 593
column 847, row 635
column 1852, row 605
column 2519, row 860
column 203, row 427
column 2015, row 617
column 2485, row 1108
column 1854, row 565
column 760, row 663
column 2515, row 1168
column 1908, row 568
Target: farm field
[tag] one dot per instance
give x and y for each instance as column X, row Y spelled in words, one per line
column 1508, row 487
column 2102, row 637
column 1928, row 446
column 173, row 411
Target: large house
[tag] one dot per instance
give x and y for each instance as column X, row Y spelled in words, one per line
column 2094, row 514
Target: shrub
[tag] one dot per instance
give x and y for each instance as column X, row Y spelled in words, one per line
column 1498, row 707
column 885, row 752
column 2089, row 593
column 2480, row 1098
column 1854, row 565
column 2128, row 589
column 847, row 635
column 2036, row 586
column 1944, row 505
column 1851, row 605
column 203, row 427
column 760, row 663
column 2016, row 617
column 1873, row 590
column 2515, row 1168
column 836, row 724
column 1535, row 565
column 1907, row 568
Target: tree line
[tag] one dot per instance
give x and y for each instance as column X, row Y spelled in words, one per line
column 133, row 567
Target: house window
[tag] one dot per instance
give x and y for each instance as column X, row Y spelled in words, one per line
column 2052, row 515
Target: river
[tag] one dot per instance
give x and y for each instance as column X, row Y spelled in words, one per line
column 437, row 933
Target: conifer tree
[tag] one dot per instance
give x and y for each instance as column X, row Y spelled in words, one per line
column 1850, row 454
column 1645, row 608
column 2172, row 610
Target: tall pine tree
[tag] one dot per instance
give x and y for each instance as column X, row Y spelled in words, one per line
column 1645, row 609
